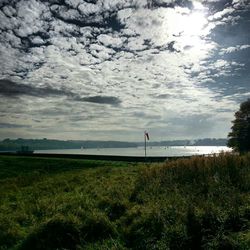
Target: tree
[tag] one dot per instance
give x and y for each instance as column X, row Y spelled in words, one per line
column 239, row 137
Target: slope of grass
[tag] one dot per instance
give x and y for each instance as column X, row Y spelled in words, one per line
column 197, row 203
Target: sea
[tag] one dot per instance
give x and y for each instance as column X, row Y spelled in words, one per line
column 140, row 151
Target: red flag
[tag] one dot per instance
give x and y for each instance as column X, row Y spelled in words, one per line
column 146, row 134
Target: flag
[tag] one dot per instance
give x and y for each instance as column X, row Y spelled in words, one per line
column 146, row 135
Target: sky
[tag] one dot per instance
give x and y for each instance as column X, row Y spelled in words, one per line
column 110, row 69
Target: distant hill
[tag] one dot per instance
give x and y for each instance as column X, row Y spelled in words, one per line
column 36, row 144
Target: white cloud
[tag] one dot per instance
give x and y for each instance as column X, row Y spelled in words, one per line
column 234, row 49
column 88, row 8
column 220, row 14
column 110, row 40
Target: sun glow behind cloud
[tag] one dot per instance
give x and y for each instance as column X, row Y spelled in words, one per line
column 192, row 24
column 188, row 28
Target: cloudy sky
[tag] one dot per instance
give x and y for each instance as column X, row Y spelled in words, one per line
column 109, row 69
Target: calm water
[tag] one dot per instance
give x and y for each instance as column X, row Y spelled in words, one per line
column 139, row 151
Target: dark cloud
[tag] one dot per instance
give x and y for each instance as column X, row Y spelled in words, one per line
column 100, row 100
column 163, row 96
column 11, row 125
column 12, row 89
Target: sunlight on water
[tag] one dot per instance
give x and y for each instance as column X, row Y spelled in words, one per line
column 139, row 151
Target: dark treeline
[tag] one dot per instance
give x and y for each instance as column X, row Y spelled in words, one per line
column 36, row 144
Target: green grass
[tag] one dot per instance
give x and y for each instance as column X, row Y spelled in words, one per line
column 197, row 203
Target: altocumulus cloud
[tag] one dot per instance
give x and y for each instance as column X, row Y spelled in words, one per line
column 110, row 69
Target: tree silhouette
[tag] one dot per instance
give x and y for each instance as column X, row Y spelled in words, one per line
column 239, row 137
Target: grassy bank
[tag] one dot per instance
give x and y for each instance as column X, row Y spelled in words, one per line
column 197, row 203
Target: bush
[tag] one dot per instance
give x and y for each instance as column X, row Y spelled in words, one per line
column 57, row 233
column 96, row 226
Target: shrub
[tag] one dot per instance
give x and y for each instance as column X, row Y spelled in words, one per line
column 57, row 233
column 96, row 226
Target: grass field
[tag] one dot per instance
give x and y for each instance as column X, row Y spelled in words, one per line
column 197, row 203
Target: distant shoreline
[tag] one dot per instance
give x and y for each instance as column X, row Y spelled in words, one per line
column 48, row 144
